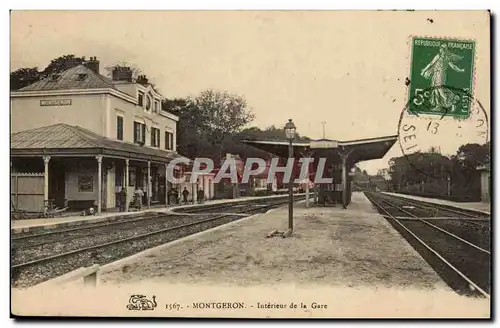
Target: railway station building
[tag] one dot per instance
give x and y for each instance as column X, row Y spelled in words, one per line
column 340, row 158
column 80, row 138
column 485, row 171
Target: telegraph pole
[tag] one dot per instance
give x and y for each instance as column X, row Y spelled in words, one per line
column 324, row 123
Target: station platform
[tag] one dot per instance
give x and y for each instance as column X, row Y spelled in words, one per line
column 350, row 247
column 475, row 206
column 18, row 226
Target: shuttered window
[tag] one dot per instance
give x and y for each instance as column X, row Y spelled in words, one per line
column 140, row 99
column 169, row 140
column 155, row 137
column 119, row 128
column 139, row 132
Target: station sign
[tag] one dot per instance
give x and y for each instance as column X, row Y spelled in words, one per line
column 55, row 102
column 324, row 144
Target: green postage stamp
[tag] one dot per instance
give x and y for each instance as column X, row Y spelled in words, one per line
column 441, row 77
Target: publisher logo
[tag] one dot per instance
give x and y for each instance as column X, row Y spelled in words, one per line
column 141, row 303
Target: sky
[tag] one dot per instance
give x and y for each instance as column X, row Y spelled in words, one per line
column 345, row 68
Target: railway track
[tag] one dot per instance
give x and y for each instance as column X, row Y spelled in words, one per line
column 31, row 267
column 67, row 234
column 43, row 246
column 463, row 223
column 458, row 249
column 474, row 217
column 36, row 238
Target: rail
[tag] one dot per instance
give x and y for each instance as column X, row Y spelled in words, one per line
column 49, row 266
column 457, row 271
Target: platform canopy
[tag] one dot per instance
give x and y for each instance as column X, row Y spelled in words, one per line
column 358, row 150
column 67, row 140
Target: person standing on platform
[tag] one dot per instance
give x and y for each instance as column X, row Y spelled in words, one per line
column 185, row 194
column 138, row 197
column 123, row 199
column 201, row 196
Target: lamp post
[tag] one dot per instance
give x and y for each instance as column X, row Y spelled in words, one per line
column 290, row 134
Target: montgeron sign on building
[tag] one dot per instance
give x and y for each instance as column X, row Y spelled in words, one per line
column 55, row 102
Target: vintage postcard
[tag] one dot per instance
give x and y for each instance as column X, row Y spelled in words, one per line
column 250, row 164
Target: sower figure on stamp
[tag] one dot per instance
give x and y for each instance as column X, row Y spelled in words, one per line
column 441, row 97
column 185, row 194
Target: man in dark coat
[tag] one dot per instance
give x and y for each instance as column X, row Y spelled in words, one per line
column 201, row 196
column 185, row 194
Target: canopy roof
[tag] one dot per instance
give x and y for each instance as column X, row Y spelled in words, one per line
column 359, row 150
column 68, row 140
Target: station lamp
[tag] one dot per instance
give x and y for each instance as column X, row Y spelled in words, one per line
column 290, row 130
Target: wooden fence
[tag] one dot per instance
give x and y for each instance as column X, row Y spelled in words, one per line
column 26, row 191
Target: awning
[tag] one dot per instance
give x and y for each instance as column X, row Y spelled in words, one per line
column 359, row 150
column 67, row 140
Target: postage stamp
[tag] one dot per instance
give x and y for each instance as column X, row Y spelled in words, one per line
column 441, row 113
column 441, row 75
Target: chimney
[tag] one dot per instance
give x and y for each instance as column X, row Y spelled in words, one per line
column 142, row 79
column 70, row 63
column 121, row 73
column 93, row 64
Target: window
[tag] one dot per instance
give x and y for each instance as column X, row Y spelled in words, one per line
column 148, row 103
column 119, row 128
column 155, row 137
column 81, row 76
column 131, row 177
column 139, row 133
column 140, row 99
column 55, row 77
column 169, row 140
column 155, row 108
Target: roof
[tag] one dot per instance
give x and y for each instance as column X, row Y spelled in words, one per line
column 360, row 149
column 63, row 139
column 71, row 79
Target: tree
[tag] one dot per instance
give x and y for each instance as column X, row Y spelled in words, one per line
column 23, row 77
column 208, row 122
column 62, row 63
column 473, row 155
column 222, row 113
column 433, row 171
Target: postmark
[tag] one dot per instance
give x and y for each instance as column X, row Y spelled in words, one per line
column 443, row 134
column 441, row 75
